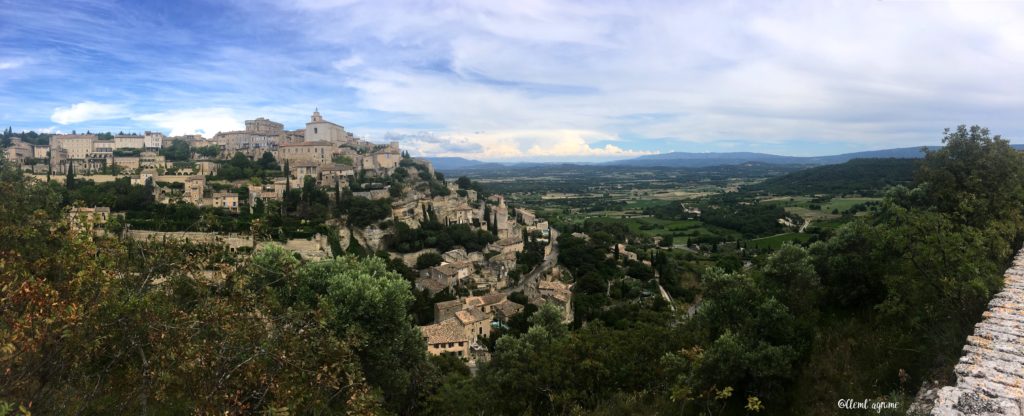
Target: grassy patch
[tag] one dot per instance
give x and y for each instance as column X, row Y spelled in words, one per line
column 776, row 241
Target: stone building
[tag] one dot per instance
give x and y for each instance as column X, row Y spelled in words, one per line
column 75, row 146
column 319, row 152
column 195, row 186
column 260, row 135
column 476, row 322
column 446, row 275
column 126, row 162
column 448, row 337
column 86, row 218
column 300, row 169
column 226, row 200
column 263, row 126
column 335, row 174
column 129, row 142
column 558, row 294
column 19, row 151
column 153, row 140
column 318, row 129
column 273, row 191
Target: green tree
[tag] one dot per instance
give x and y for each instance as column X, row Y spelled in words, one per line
column 428, row 259
column 177, row 151
column 975, row 177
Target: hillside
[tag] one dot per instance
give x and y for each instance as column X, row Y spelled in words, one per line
column 686, row 159
column 857, row 176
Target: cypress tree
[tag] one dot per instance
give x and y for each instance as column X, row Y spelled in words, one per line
column 69, row 181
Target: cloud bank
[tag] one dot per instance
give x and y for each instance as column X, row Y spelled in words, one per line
column 534, row 78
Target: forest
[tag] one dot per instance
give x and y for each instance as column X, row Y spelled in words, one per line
column 858, row 176
column 880, row 304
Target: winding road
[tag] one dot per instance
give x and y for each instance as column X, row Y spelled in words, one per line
column 528, row 283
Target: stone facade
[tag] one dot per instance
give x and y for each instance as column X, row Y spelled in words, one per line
column 319, row 152
column 318, row 129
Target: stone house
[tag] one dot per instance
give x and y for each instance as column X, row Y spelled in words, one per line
column 447, row 337
column 85, row 218
column 559, row 294
column 195, row 186
column 475, row 322
column 299, row 170
column 226, row 200
column 318, row 152
column 448, row 274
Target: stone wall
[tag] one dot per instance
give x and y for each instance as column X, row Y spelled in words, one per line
column 990, row 374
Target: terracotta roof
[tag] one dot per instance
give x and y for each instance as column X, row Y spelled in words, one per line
column 448, row 330
column 493, row 298
column 508, row 308
column 448, row 303
column 450, row 269
column 431, row 285
column 470, row 315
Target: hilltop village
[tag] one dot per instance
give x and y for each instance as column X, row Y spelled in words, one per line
column 319, row 192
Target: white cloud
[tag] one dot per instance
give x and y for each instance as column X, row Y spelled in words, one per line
column 515, row 144
column 550, row 77
column 13, row 63
column 854, row 72
column 87, row 111
column 348, row 63
column 204, row 121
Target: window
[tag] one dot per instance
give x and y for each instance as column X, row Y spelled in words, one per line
column 314, row 130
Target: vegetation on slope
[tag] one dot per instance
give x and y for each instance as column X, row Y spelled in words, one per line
column 858, row 176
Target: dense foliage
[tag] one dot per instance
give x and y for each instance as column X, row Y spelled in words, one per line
column 750, row 218
column 241, row 167
column 432, row 234
column 177, row 151
column 103, row 326
column 858, row 176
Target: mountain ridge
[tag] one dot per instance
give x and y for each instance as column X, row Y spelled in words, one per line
column 699, row 160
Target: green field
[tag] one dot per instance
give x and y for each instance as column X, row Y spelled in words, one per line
column 800, row 205
column 680, row 230
column 776, row 241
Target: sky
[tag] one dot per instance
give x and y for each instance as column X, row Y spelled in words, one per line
column 524, row 80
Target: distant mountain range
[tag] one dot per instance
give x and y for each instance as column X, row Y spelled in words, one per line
column 694, row 160
column 698, row 160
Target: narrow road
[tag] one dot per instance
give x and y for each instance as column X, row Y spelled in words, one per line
column 528, row 283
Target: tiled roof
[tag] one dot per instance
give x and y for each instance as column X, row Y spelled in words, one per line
column 508, row 308
column 431, row 285
column 449, row 330
column 450, row 269
column 448, row 303
column 470, row 315
column 493, row 298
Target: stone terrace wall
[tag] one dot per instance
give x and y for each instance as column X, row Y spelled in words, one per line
column 990, row 374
